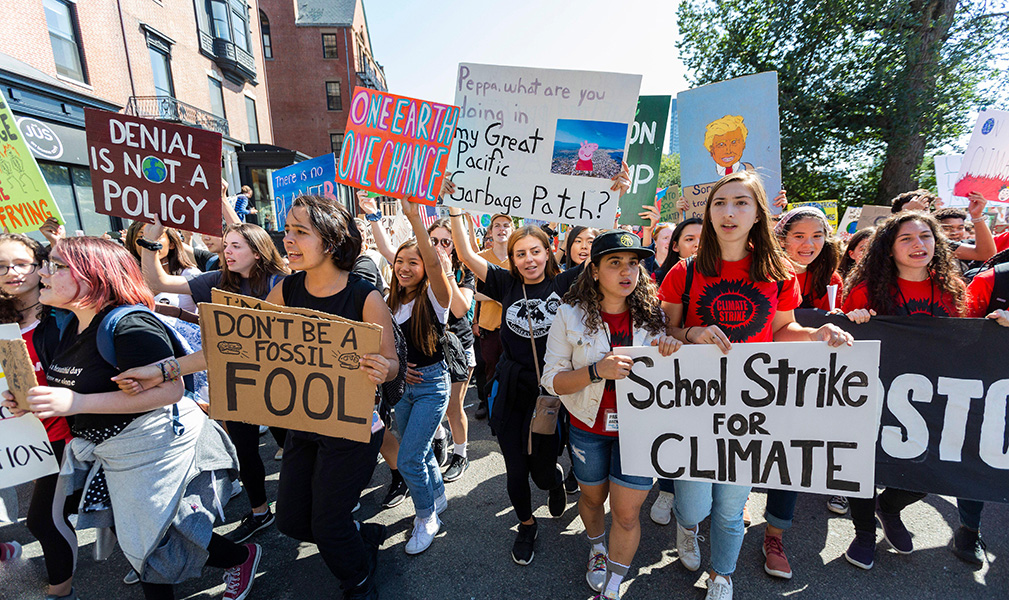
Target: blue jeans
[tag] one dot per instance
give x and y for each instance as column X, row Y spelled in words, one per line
column 596, row 458
column 780, row 508
column 418, row 414
column 667, row 485
column 695, row 500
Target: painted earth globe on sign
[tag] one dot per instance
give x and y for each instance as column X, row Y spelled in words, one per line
column 154, row 169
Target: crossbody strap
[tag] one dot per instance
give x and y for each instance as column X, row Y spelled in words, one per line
column 532, row 340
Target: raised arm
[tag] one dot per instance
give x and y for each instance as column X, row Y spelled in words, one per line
column 434, row 263
column 230, row 216
column 984, row 243
column 154, row 274
column 382, row 241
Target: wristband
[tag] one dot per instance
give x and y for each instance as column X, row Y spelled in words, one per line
column 594, row 374
column 979, row 219
column 686, row 334
column 149, row 245
column 170, row 369
column 374, row 217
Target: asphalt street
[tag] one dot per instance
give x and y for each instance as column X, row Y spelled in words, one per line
column 470, row 559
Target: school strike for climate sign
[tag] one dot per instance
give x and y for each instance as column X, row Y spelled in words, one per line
column 541, row 143
column 945, row 384
column 25, row 452
column 396, row 146
column 144, row 170
column 796, row 416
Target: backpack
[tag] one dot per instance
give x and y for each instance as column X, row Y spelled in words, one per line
column 392, row 391
column 1000, row 291
column 689, row 280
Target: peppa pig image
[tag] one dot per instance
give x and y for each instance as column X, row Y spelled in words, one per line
column 588, row 148
column 584, row 162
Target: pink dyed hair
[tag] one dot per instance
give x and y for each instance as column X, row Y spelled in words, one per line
column 109, row 270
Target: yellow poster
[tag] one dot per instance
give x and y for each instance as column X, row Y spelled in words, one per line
column 25, row 199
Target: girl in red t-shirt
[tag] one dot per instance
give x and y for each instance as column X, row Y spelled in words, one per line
column 20, row 257
column 907, row 270
column 804, row 235
column 742, row 290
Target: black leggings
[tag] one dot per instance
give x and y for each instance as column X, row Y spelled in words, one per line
column 891, row 501
column 252, row 472
column 48, row 520
column 541, row 465
column 224, row 554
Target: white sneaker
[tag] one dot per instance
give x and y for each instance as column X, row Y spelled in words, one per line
column 719, row 588
column 596, row 573
column 688, row 548
column 423, row 534
column 131, row 578
column 662, row 508
column 440, row 504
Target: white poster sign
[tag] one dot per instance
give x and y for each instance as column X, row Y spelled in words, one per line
column 947, row 172
column 25, row 452
column 790, row 415
column 985, row 166
column 541, row 143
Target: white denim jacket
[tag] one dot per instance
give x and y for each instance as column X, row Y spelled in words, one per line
column 569, row 348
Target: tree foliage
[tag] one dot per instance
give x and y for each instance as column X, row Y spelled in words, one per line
column 867, row 88
column 669, row 170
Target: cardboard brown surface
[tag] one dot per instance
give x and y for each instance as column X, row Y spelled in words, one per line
column 871, row 215
column 18, row 370
column 232, row 299
column 289, row 370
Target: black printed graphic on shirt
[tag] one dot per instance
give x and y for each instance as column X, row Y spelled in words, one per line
column 920, row 306
column 540, row 312
column 736, row 306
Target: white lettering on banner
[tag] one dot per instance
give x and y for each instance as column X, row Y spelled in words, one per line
column 25, row 452
column 797, row 416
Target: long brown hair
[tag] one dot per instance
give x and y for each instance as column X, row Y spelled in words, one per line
column 768, row 263
column 878, row 270
column 847, row 262
column 821, row 270
column 551, row 269
column 422, row 331
column 643, row 302
column 270, row 262
column 9, row 312
column 177, row 257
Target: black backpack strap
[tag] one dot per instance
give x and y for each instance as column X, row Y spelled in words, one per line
column 687, row 283
column 1000, row 290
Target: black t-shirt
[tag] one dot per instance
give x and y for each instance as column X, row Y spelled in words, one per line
column 73, row 361
column 206, row 260
column 347, row 303
column 366, row 268
column 463, row 326
column 544, row 299
column 200, row 286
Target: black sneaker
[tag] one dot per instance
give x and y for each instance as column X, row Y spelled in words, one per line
column 968, row 546
column 365, row 591
column 250, row 525
column 456, row 468
column 440, row 451
column 481, row 411
column 524, row 548
column 570, row 483
column 397, row 493
column 557, row 501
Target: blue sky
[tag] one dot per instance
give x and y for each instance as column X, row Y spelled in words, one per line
column 608, row 135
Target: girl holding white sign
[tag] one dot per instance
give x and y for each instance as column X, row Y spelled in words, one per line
column 742, row 289
column 612, row 303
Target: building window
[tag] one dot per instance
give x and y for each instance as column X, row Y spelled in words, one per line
column 240, row 27
column 61, row 19
column 216, row 97
column 336, row 142
column 264, row 27
column 222, row 27
column 250, row 113
column 333, row 100
column 161, row 66
column 329, row 47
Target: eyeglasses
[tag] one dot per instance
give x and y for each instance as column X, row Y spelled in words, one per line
column 50, row 267
column 443, row 242
column 22, row 268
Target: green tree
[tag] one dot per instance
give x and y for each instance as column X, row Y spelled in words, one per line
column 669, row 170
column 866, row 87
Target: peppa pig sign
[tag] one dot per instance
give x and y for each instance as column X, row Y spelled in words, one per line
column 541, row 144
column 985, row 166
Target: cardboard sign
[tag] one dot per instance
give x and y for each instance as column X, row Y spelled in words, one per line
column 667, row 198
column 541, row 143
column 144, row 169
column 288, row 370
column 792, row 416
column 827, row 207
column 25, row 199
column 218, row 296
column 644, row 156
column 25, row 451
column 18, row 371
column 943, row 423
column 985, row 166
column 316, row 176
column 729, row 125
column 947, row 173
column 396, row 146
column 870, row 215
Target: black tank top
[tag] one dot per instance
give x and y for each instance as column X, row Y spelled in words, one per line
column 347, row 303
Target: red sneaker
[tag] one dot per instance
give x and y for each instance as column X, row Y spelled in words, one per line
column 239, row 579
column 775, row 561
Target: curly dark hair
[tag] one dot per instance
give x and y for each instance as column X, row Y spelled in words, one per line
column 646, row 310
column 878, row 271
column 847, row 263
column 821, row 270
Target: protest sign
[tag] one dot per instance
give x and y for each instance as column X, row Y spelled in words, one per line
column 726, row 127
column 25, row 199
column 794, row 416
column 396, row 146
column 218, row 296
column 287, row 370
column 25, row 451
column 18, row 371
column 316, row 176
column 541, row 143
column 827, row 207
column 944, row 392
column 668, row 212
column 871, row 216
column 849, row 222
column 985, row 166
column 947, row 172
column 144, row 169
column 644, row 156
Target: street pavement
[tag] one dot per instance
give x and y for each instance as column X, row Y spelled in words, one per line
column 470, row 559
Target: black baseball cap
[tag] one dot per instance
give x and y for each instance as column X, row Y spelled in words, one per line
column 618, row 240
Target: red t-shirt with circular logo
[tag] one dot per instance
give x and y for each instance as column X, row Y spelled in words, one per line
column 742, row 308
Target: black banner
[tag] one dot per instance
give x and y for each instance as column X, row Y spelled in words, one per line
column 946, row 389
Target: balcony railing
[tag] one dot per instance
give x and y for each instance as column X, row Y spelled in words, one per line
column 166, row 108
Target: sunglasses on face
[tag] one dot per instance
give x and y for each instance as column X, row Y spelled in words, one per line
column 22, row 268
column 443, row 242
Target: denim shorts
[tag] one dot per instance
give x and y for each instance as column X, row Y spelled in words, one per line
column 596, row 458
